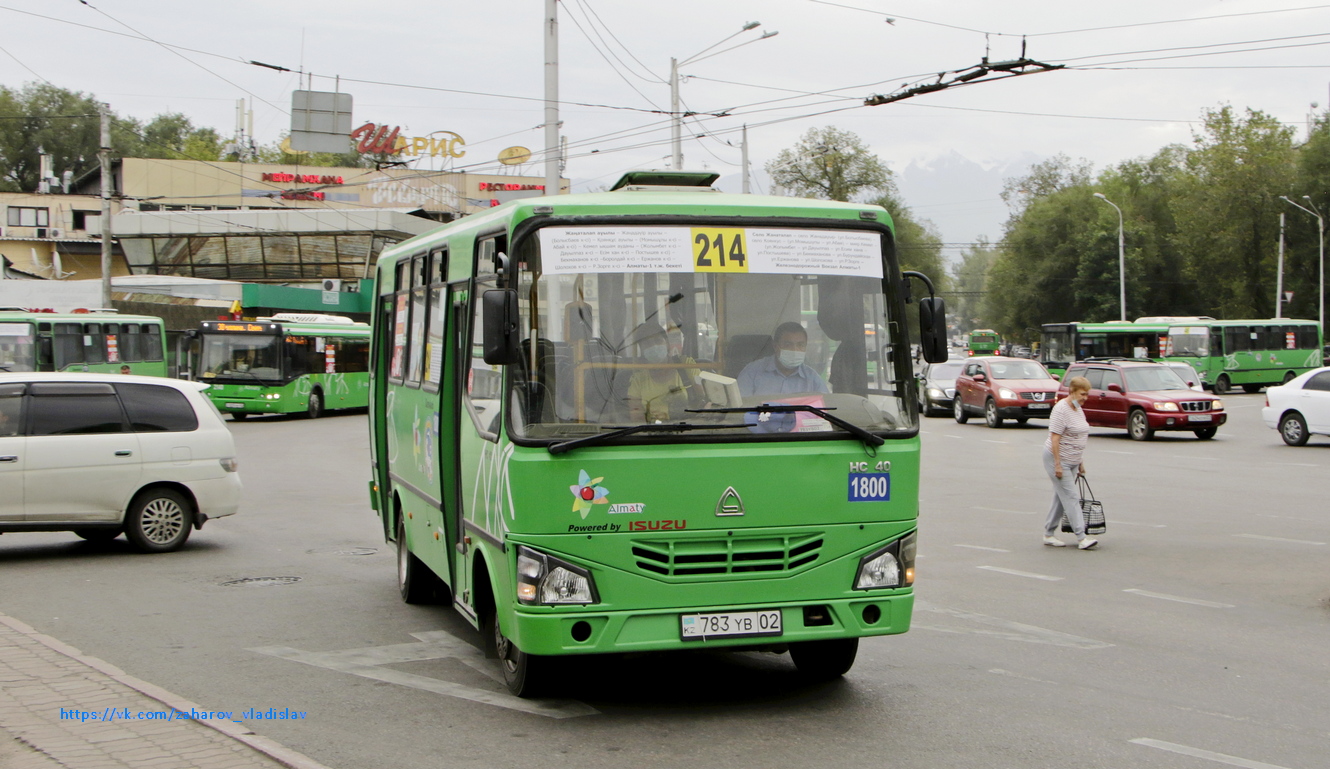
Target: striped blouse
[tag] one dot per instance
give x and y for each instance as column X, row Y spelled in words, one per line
column 1070, row 423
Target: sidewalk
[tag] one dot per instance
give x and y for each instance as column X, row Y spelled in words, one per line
column 40, row 676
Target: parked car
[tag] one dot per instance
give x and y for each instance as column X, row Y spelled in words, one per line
column 1300, row 407
column 937, row 386
column 1000, row 388
column 1143, row 397
column 103, row 454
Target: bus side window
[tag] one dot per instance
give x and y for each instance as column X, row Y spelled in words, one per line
column 438, row 308
column 94, row 343
column 68, row 345
column 416, row 336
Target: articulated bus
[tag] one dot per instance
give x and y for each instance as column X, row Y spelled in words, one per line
column 100, row 341
column 599, row 424
column 984, row 341
column 1248, row 353
column 288, row 363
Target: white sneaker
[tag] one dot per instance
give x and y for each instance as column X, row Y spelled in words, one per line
column 1088, row 543
column 1054, row 542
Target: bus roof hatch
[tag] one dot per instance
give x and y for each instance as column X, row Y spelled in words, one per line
column 655, row 180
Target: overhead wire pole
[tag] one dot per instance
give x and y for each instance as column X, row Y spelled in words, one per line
column 104, row 160
column 551, row 97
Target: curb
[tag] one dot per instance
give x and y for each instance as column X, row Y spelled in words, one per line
column 270, row 748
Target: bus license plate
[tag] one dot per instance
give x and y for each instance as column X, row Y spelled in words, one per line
column 235, row 405
column 1200, row 418
column 698, row 627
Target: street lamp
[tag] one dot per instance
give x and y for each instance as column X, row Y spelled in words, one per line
column 1320, row 226
column 676, row 119
column 1122, row 258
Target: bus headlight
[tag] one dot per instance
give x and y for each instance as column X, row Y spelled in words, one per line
column 892, row 566
column 543, row 580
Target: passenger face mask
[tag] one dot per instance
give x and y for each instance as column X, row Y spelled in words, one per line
column 656, row 353
column 792, row 358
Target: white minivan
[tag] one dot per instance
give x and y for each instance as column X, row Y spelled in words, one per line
column 105, row 454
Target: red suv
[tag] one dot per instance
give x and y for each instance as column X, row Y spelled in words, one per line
column 1003, row 388
column 1143, row 397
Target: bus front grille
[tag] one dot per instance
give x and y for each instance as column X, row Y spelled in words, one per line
column 729, row 556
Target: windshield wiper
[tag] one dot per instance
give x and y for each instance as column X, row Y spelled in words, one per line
column 655, row 427
column 229, row 373
column 786, row 408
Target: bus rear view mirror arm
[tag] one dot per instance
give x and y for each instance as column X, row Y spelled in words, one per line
column 501, row 326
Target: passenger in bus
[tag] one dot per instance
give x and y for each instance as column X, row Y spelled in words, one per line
column 784, row 371
column 659, row 394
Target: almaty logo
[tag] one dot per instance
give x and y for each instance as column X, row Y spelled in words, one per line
column 586, row 493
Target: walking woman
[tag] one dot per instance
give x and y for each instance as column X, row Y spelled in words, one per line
column 1068, row 432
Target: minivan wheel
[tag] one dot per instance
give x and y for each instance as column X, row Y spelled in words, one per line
column 315, row 404
column 1138, row 426
column 158, row 521
column 991, row 416
column 1293, row 429
column 1222, row 384
column 958, row 410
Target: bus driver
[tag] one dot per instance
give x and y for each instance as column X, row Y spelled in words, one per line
column 784, row 371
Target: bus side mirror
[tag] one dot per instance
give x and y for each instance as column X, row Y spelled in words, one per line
column 500, row 326
column 933, row 329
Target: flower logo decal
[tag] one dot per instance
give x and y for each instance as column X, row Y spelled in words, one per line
column 586, row 493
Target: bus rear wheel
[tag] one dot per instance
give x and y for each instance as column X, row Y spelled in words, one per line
column 523, row 673
column 238, row 416
column 824, row 660
column 315, row 409
column 1222, row 384
column 1289, row 376
column 415, row 581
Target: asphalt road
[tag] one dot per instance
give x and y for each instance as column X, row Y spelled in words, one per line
column 1193, row 637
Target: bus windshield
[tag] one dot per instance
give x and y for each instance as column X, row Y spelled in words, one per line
column 798, row 318
column 16, row 347
column 1189, row 341
column 1154, row 378
column 240, row 356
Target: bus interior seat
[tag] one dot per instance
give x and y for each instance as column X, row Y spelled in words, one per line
column 743, row 349
column 539, row 406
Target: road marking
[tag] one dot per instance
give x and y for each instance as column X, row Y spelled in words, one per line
column 1013, row 572
column 1000, row 510
column 949, row 435
column 1209, row 755
column 966, row 622
column 1117, row 522
column 989, row 549
column 1289, row 518
column 1193, row 456
column 1124, row 453
column 1179, row 599
column 987, row 440
column 1009, row 674
column 1279, row 539
column 369, row 662
column 1292, row 464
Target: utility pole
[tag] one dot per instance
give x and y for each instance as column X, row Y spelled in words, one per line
column 676, row 122
column 1279, row 279
column 744, row 158
column 551, row 97
column 104, row 160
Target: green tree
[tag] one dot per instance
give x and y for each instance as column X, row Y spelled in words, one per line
column 969, row 280
column 1227, row 210
column 830, row 164
column 918, row 244
column 1302, row 268
column 41, row 118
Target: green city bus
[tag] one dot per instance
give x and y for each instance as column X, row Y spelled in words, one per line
column 1246, row 353
column 579, row 442
column 288, row 363
column 984, row 341
column 98, row 341
column 1061, row 344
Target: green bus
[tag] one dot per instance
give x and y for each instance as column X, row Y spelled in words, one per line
column 288, row 363
column 1246, row 353
column 984, row 341
column 580, row 442
column 98, row 341
column 1061, row 344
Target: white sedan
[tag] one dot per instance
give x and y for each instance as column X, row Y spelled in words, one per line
column 1300, row 407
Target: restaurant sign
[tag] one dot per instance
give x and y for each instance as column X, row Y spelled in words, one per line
column 371, row 138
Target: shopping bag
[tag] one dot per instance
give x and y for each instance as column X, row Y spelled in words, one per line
column 1092, row 510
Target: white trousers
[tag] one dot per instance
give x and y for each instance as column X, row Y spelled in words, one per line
column 1066, row 499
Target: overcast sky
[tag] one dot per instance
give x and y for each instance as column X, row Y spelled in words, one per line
column 1140, row 75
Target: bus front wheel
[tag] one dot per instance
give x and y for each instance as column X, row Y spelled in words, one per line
column 824, row 660
column 315, row 404
column 1222, row 384
column 522, row 672
column 237, row 416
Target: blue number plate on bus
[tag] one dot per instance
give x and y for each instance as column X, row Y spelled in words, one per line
column 870, row 487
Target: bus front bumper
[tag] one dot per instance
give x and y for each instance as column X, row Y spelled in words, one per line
column 602, row 632
column 248, row 405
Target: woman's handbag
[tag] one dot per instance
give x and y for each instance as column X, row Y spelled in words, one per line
column 1092, row 510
